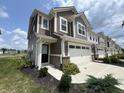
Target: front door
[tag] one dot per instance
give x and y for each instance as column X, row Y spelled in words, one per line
column 45, row 50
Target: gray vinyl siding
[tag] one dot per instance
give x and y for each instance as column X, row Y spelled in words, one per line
column 65, row 14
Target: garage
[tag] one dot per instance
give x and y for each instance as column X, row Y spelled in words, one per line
column 80, row 53
column 101, row 53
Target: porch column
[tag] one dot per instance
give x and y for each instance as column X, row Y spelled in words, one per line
column 63, row 48
column 39, row 48
column 36, row 55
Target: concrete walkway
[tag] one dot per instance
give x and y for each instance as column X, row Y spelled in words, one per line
column 92, row 68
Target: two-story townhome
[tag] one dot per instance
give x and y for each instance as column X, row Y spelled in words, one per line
column 64, row 35
column 109, row 46
column 118, row 49
column 93, row 38
column 59, row 37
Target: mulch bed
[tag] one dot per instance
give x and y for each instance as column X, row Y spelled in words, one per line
column 49, row 83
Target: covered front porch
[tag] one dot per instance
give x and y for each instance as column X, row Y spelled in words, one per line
column 42, row 50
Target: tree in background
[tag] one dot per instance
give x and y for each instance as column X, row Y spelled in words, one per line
column 0, row 32
column 18, row 51
column 4, row 50
column 123, row 50
column 122, row 23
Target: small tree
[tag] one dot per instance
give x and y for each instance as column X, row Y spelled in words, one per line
column 65, row 83
column 4, row 50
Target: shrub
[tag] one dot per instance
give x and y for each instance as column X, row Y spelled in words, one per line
column 100, row 59
column 106, row 60
column 102, row 85
column 65, row 83
column 43, row 72
column 120, row 56
column 114, row 59
column 70, row 69
column 111, row 59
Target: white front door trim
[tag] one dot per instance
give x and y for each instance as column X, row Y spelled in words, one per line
column 39, row 54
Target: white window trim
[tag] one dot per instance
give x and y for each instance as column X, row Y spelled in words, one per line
column 61, row 18
column 42, row 19
column 78, row 23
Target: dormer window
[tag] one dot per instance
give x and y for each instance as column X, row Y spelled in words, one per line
column 81, row 29
column 63, row 25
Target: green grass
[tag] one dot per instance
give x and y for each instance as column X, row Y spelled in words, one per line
column 14, row 81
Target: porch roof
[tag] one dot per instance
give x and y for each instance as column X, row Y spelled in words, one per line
column 46, row 38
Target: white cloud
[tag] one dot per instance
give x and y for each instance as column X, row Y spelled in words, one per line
column 3, row 31
column 13, row 39
column 19, row 40
column 1, row 40
column 64, row 2
column 3, row 12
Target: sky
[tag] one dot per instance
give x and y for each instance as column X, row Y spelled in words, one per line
column 104, row 15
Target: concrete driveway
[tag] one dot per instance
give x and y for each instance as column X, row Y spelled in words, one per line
column 92, row 68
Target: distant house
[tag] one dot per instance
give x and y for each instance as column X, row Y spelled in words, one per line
column 1, row 52
column 62, row 36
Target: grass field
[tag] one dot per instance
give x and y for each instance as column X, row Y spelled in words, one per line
column 13, row 80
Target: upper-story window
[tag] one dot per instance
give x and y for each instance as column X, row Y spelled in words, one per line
column 63, row 25
column 33, row 28
column 90, row 37
column 44, row 23
column 81, row 29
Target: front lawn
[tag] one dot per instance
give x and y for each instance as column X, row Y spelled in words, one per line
column 13, row 80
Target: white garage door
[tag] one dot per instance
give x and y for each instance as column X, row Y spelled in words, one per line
column 80, row 53
column 101, row 53
column 109, row 53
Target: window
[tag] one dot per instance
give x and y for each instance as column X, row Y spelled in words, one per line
column 83, row 47
column 33, row 28
column 45, row 23
column 107, row 44
column 93, row 38
column 90, row 38
column 87, row 48
column 78, row 47
column 71, row 46
column 81, row 29
column 63, row 25
column 96, row 40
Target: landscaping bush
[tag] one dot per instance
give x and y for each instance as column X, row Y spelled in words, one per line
column 26, row 64
column 111, row 59
column 43, row 72
column 114, row 59
column 65, row 83
column 102, row 85
column 70, row 69
column 101, row 59
column 120, row 56
column 106, row 60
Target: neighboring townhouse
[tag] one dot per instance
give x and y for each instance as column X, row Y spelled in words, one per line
column 62, row 36
column 93, row 38
column 101, row 46
column 118, row 49
column 109, row 46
